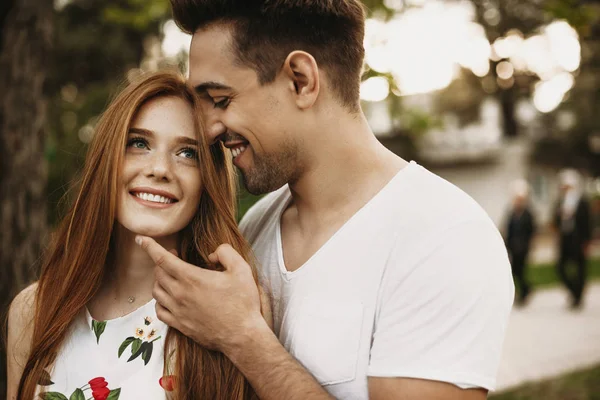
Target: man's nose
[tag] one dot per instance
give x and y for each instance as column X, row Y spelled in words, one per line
column 214, row 127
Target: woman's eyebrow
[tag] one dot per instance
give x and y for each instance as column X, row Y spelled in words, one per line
column 187, row 140
column 179, row 139
column 141, row 131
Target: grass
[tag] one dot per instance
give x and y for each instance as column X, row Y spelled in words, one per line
column 545, row 274
column 580, row 385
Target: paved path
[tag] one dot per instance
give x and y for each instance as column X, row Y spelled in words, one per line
column 546, row 339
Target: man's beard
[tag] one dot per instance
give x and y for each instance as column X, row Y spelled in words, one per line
column 272, row 171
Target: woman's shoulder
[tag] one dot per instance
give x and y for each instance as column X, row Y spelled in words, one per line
column 23, row 304
column 21, row 313
column 20, row 332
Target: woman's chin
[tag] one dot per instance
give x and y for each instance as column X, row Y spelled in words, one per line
column 153, row 232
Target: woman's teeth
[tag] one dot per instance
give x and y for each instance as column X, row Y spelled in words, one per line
column 237, row 151
column 154, row 198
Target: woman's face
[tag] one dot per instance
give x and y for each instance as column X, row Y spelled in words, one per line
column 160, row 187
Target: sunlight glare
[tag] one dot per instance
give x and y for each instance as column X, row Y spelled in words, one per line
column 374, row 89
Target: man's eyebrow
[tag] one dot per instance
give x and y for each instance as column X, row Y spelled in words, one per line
column 203, row 87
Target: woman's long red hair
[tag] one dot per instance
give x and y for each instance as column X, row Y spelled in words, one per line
column 76, row 259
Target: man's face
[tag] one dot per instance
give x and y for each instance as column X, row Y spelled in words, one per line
column 255, row 122
column 519, row 202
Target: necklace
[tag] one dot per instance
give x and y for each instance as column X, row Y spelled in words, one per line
column 131, row 299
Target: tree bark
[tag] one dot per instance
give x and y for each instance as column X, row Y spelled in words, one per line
column 25, row 41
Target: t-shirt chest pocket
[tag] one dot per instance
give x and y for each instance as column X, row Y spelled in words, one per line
column 325, row 338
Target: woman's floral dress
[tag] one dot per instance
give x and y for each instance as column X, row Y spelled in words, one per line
column 121, row 358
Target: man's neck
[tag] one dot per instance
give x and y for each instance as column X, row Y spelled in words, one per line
column 347, row 166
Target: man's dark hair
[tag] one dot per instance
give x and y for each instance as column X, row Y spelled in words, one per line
column 265, row 31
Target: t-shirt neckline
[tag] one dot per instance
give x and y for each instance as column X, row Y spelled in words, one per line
column 288, row 275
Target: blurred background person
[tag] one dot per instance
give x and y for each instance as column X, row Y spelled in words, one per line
column 519, row 230
column 572, row 221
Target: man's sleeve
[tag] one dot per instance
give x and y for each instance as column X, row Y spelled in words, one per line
column 443, row 309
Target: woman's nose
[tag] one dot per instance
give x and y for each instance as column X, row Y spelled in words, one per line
column 160, row 167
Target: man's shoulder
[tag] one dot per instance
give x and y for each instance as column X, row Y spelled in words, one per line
column 425, row 202
column 439, row 228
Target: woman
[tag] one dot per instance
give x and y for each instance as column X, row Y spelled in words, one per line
column 88, row 328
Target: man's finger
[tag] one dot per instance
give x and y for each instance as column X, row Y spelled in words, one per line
column 166, row 281
column 166, row 316
column 227, row 257
column 161, row 257
column 163, row 297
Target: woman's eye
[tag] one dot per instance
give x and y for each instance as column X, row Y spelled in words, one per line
column 189, row 153
column 137, row 143
column 222, row 103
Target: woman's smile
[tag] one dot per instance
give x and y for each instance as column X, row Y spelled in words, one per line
column 153, row 198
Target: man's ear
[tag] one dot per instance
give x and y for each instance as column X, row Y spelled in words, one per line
column 303, row 73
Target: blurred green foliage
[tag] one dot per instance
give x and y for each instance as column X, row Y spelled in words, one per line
column 245, row 201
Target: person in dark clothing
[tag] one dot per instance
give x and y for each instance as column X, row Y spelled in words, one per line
column 519, row 231
column 572, row 221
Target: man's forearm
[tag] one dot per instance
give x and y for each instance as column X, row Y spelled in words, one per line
column 271, row 370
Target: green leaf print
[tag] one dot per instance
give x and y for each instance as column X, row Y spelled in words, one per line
column 125, row 344
column 98, row 328
column 137, row 343
column 139, row 351
column 45, row 379
column 147, row 353
column 114, row 394
column 142, row 343
column 77, row 395
column 53, row 396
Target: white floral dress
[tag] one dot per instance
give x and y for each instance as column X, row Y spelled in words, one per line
column 118, row 359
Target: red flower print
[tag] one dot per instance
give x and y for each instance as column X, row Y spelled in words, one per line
column 101, row 393
column 97, row 383
column 167, row 382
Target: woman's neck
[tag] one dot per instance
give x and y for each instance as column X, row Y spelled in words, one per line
column 129, row 276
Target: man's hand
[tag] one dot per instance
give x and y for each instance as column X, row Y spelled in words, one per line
column 217, row 309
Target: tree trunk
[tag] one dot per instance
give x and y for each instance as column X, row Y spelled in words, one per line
column 25, row 38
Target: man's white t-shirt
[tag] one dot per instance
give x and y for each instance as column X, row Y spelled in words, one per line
column 416, row 284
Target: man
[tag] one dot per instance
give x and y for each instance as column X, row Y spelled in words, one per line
column 386, row 281
column 520, row 228
column 572, row 221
